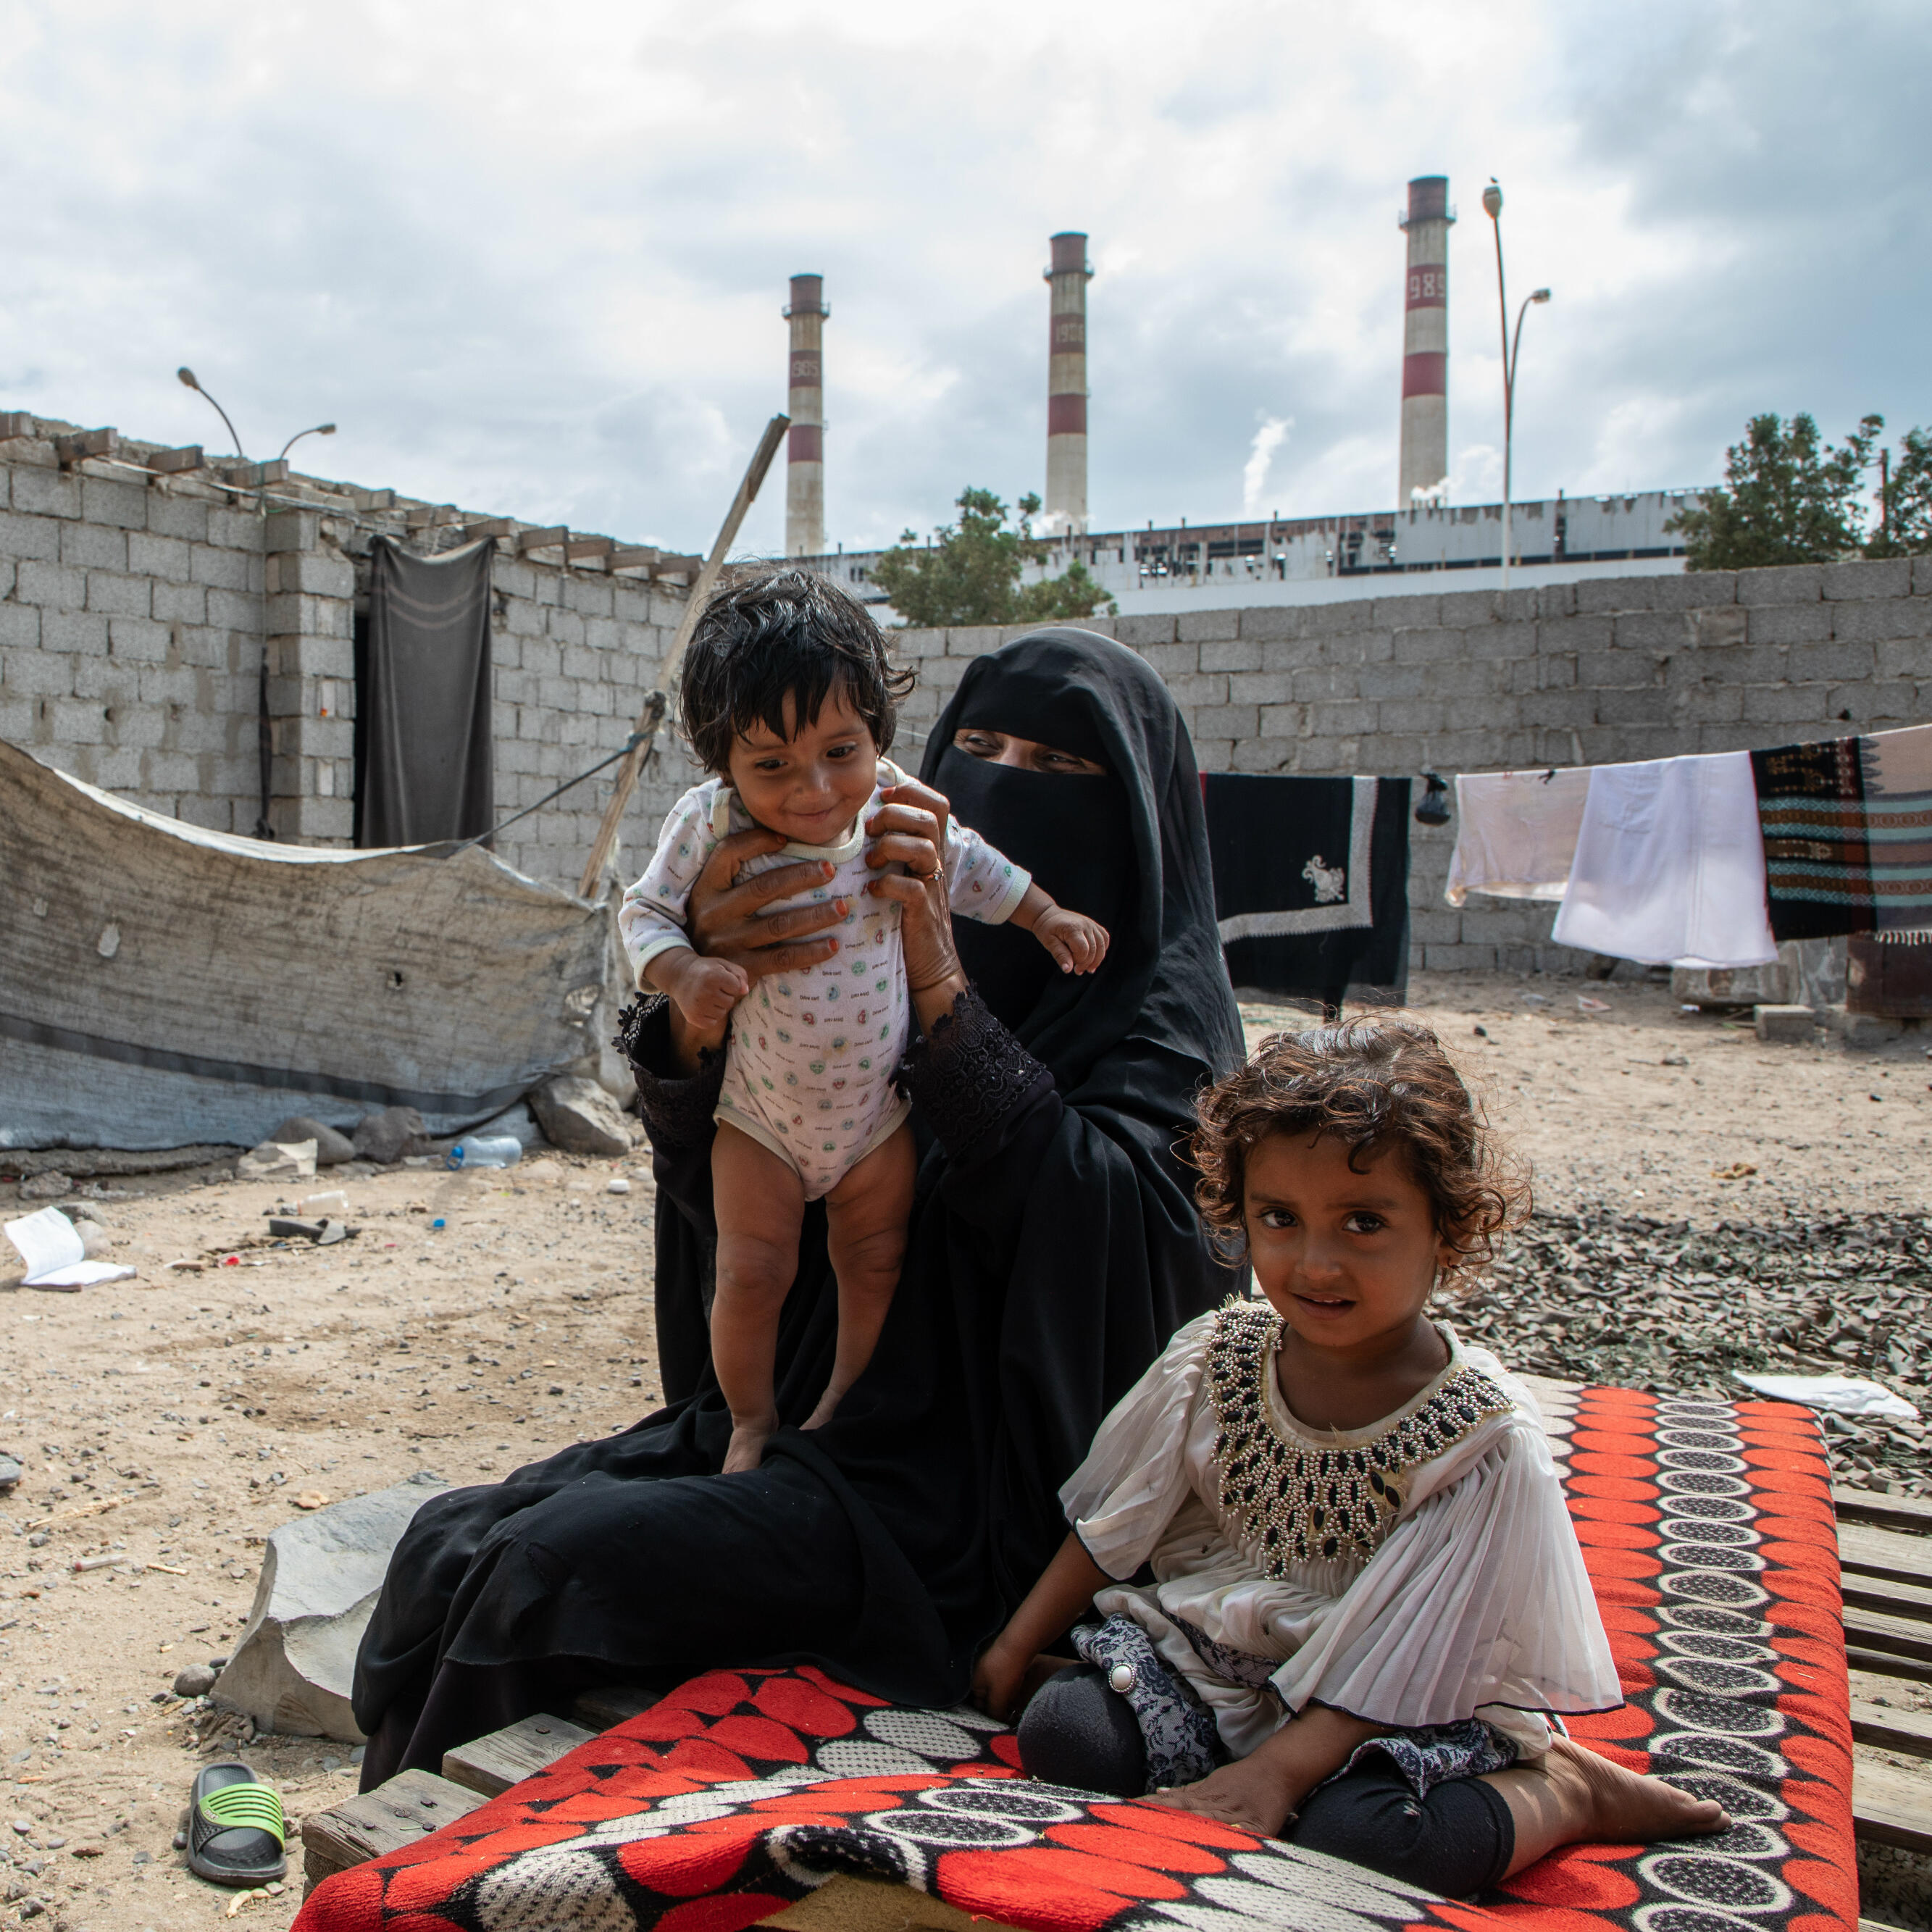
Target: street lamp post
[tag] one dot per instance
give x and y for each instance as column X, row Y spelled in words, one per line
column 1492, row 206
column 187, row 380
column 320, row 429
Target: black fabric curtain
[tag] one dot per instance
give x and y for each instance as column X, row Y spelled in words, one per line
column 1311, row 884
column 424, row 697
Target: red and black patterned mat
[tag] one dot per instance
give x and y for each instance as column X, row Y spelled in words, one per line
column 1708, row 1531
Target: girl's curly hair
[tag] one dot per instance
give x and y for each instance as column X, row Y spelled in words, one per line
column 1374, row 1084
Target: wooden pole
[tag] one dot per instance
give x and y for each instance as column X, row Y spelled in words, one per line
column 627, row 772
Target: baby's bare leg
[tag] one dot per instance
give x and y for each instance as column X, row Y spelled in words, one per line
column 865, row 1217
column 759, row 1203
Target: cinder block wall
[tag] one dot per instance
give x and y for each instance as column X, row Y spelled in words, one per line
column 137, row 614
column 1596, row 672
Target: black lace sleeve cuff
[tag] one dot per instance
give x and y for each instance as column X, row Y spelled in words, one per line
column 676, row 1109
column 970, row 1076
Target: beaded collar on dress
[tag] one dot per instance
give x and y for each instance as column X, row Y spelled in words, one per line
column 1291, row 1500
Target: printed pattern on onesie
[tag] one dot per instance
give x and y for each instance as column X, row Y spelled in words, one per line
column 809, row 1063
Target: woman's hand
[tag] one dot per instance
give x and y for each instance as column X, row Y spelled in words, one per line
column 728, row 921
column 909, row 829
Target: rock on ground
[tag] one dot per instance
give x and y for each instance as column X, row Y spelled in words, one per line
column 272, row 1161
column 295, row 1665
column 384, row 1138
column 577, row 1115
column 331, row 1149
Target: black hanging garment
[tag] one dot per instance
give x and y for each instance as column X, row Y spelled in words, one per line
column 424, row 697
column 1311, row 884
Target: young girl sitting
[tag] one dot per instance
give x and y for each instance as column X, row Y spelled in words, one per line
column 1366, row 1594
column 787, row 695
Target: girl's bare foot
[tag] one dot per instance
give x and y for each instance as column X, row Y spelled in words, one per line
column 828, row 1407
column 746, row 1449
column 1574, row 1796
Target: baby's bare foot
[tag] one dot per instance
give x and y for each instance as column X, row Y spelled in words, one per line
column 1626, row 1808
column 746, row 1449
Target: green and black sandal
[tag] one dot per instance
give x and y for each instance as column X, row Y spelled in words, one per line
column 234, row 1830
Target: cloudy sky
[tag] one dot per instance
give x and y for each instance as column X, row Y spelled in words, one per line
column 531, row 258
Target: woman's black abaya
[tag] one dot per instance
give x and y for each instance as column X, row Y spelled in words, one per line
column 1053, row 1249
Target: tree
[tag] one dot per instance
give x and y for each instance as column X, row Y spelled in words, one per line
column 970, row 574
column 1790, row 498
column 1905, row 500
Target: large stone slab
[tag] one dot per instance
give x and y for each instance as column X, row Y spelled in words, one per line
column 293, row 1668
column 577, row 1115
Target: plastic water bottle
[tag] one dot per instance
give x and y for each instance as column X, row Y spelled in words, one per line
column 488, row 1151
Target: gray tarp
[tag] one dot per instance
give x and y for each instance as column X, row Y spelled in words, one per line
column 161, row 985
column 424, row 701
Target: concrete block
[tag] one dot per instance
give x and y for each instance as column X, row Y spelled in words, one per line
column 156, row 557
column 93, row 546
column 1419, row 715
column 1651, row 707
column 46, row 492
column 20, row 627
column 1696, row 589
column 1466, row 609
column 1214, row 755
column 1861, row 1031
column 1872, row 704
column 1234, row 654
column 104, row 679
column 1459, row 958
column 1889, row 576
column 179, row 603
column 105, row 500
column 565, row 625
column 1225, row 720
column 234, row 610
column 1482, row 675
column 77, row 721
column 1921, row 575
column 1267, row 621
column 37, row 537
column 1423, row 646
column 1264, row 754
column 1829, row 662
column 607, row 637
column 1780, row 704
column 1198, row 688
column 1195, row 627
column 1403, row 613
column 185, row 689
column 1790, row 583
column 1594, row 632
column 1556, row 600
column 1140, row 631
column 317, row 573
column 1616, row 594
column 972, row 640
column 1172, row 660
column 170, row 515
column 1287, row 721
column 221, row 568
column 1650, row 630
column 231, row 528
column 524, row 618
column 1879, row 620
column 74, row 632
column 134, row 727
column 1342, row 720
column 1718, row 625
column 139, row 639
column 164, row 771
column 1786, row 1026
column 1789, row 624
column 1390, row 680
column 588, row 596
column 1901, row 657
column 53, row 587
column 1709, row 704
column 1614, row 670
column 116, row 596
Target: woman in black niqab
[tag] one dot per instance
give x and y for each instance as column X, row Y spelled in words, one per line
column 1053, row 1250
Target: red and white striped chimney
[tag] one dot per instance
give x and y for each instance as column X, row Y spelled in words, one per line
column 1425, row 341
column 805, row 449
column 1066, row 512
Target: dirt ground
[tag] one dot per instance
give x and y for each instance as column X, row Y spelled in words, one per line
column 169, row 1422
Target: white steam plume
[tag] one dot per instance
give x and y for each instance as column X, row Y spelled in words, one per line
column 1269, row 438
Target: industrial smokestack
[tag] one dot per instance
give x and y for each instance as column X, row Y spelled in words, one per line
column 1425, row 341
column 804, row 449
column 1067, row 388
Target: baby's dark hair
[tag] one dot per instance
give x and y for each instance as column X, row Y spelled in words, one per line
column 773, row 634
column 1374, row 1084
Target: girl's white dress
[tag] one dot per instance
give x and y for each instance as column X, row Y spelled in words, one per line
column 1422, row 1570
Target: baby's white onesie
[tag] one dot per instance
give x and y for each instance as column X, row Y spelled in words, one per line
column 809, row 1066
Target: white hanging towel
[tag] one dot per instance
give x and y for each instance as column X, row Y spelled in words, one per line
column 1669, row 866
column 1515, row 833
